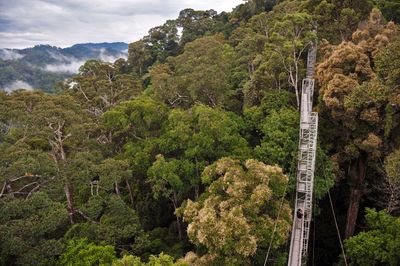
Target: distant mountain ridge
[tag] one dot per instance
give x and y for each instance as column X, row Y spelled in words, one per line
column 118, row 46
column 43, row 65
column 44, row 54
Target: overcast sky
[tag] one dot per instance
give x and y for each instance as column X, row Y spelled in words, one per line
column 24, row 23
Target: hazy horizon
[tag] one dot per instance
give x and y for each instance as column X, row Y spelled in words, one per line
column 25, row 23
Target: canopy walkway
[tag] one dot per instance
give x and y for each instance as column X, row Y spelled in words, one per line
column 305, row 168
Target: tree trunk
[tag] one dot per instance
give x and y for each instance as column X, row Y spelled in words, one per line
column 197, row 187
column 298, row 93
column 70, row 204
column 196, row 192
column 3, row 189
column 117, row 188
column 130, row 192
column 178, row 224
column 178, row 221
column 357, row 177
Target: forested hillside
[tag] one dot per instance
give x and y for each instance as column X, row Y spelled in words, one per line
column 43, row 66
column 186, row 152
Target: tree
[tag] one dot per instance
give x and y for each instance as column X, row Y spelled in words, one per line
column 166, row 180
column 235, row 216
column 377, row 246
column 390, row 9
column 291, row 35
column 354, row 98
column 392, row 182
column 80, row 252
column 202, row 135
column 31, row 230
column 44, row 135
column 338, row 19
column 111, row 221
column 387, row 62
column 111, row 172
column 190, row 141
column 159, row 260
column 65, row 123
column 250, row 8
column 195, row 24
column 163, row 41
column 99, row 86
column 134, row 127
column 138, row 56
column 249, row 42
column 280, row 140
column 200, row 74
column 24, row 170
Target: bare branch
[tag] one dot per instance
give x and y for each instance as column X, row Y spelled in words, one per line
column 85, row 216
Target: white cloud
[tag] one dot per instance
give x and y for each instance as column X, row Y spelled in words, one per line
column 60, row 57
column 25, row 23
column 71, row 67
column 103, row 56
column 72, row 64
column 18, row 84
column 7, row 54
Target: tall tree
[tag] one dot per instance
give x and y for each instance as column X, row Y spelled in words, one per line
column 338, row 19
column 292, row 33
column 100, row 86
column 379, row 245
column 138, row 56
column 190, row 141
column 391, row 185
column 236, row 215
column 200, row 74
column 195, row 24
column 356, row 100
column 162, row 41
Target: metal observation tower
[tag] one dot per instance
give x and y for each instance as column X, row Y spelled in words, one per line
column 305, row 168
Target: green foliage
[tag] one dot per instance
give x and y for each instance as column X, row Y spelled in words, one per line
column 187, row 128
column 101, row 86
column 390, row 9
column 270, row 48
column 337, row 20
column 276, row 124
column 138, row 56
column 236, row 215
column 118, row 224
column 31, row 230
column 292, row 33
column 161, row 239
column 159, row 260
column 377, row 246
column 279, row 144
column 111, row 172
column 387, row 63
column 195, row 24
column 250, row 8
column 200, row 74
column 255, row 116
column 392, row 167
column 144, row 113
column 215, row 134
column 165, row 177
column 81, row 252
column 161, row 42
